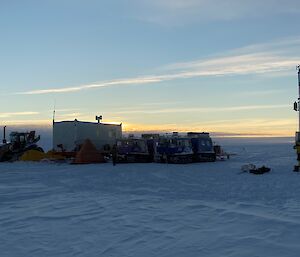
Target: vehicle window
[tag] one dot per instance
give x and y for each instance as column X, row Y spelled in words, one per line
column 142, row 146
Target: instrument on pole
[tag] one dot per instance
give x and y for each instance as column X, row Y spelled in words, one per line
column 297, row 138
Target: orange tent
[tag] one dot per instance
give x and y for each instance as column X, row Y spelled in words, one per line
column 88, row 154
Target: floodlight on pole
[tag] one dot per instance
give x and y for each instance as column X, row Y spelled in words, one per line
column 99, row 118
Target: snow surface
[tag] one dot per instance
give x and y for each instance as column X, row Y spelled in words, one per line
column 204, row 209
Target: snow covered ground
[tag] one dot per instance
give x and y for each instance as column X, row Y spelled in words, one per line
column 205, row 209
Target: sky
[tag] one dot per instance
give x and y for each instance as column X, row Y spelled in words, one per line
column 227, row 67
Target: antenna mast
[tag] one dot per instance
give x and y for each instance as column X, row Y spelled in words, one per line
column 4, row 135
column 53, row 119
column 298, row 69
column 297, row 138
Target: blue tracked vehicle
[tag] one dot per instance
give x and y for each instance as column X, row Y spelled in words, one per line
column 133, row 150
column 174, row 150
column 203, row 149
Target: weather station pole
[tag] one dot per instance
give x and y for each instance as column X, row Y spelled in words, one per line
column 4, row 135
column 297, row 138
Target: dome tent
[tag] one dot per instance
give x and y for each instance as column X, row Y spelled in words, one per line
column 88, row 154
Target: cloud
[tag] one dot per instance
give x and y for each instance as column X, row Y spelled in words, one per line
column 269, row 58
column 131, row 81
column 69, row 116
column 260, row 92
column 240, row 127
column 206, row 109
column 275, row 56
column 230, row 127
column 177, row 12
column 66, row 110
column 14, row 114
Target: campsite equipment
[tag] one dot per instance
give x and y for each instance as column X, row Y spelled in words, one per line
column 32, row 155
column 297, row 138
column 88, row 154
column 203, row 149
column 174, row 149
column 152, row 140
column 62, row 152
column 57, row 156
column 220, row 153
column 260, row 171
column 20, row 142
column 133, row 150
column 114, row 154
column 4, row 150
column 248, row 167
column 35, row 155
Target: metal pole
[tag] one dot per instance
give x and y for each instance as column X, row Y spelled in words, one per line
column 297, row 138
column 4, row 135
column 298, row 68
column 75, row 133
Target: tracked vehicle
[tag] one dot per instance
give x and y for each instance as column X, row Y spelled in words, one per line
column 203, row 149
column 174, row 149
column 131, row 150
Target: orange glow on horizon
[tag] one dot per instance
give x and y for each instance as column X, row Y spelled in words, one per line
column 222, row 131
column 251, row 128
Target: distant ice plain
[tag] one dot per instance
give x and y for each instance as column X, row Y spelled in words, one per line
column 203, row 209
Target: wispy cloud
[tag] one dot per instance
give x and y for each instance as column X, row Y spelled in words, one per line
column 177, row 12
column 130, row 81
column 240, row 64
column 27, row 123
column 69, row 116
column 260, row 93
column 276, row 56
column 68, row 110
column 233, row 127
column 270, row 58
column 253, row 127
column 205, row 109
column 15, row 114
